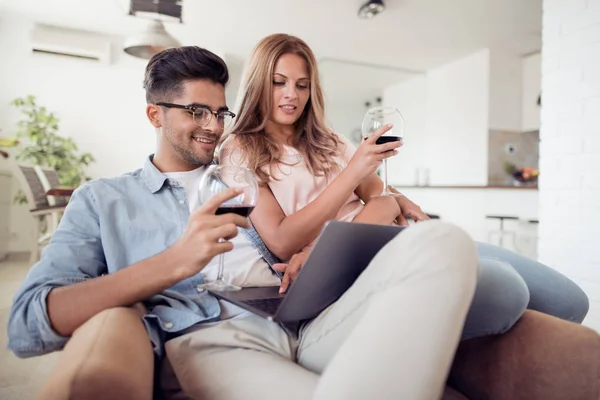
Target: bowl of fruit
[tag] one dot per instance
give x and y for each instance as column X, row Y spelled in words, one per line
column 523, row 176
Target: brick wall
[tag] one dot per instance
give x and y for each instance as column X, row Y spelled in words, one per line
column 569, row 231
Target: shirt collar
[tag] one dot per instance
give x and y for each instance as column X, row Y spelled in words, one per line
column 153, row 178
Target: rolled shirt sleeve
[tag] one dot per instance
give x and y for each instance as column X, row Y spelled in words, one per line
column 73, row 255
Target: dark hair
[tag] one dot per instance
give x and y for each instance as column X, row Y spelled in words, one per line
column 167, row 70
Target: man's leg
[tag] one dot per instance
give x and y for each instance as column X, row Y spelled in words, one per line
column 108, row 357
column 393, row 334
column 246, row 357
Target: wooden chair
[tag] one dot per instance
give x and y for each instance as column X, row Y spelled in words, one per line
column 57, row 194
column 47, row 205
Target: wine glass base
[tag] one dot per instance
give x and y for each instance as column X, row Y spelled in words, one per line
column 220, row 286
column 387, row 193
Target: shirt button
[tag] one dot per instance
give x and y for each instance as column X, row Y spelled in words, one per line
column 168, row 325
column 181, row 201
column 200, row 289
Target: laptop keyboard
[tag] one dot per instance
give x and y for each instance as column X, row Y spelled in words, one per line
column 269, row 306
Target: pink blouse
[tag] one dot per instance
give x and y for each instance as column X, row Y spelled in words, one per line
column 293, row 185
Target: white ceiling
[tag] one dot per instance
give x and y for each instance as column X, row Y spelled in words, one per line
column 413, row 34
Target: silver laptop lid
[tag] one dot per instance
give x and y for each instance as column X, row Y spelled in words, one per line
column 342, row 251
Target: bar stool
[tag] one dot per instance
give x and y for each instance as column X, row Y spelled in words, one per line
column 527, row 238
column 502, row 232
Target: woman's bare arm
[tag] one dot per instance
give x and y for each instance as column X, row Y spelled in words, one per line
column 285, row 236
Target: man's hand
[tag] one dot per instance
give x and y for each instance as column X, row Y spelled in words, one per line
column 290, row 270
column 411, row 210
column 200, row 241
column 70, row 306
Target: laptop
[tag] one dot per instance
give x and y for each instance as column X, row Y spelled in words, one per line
column 341, row 253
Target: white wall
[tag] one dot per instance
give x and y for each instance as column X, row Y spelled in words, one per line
column 100, row 106
column 505, row 82
column 410, row 98
column 346, row 118
column 570, row 145
column 457, row 121
column 532, row 84
column 446, row 114
column 5, row 203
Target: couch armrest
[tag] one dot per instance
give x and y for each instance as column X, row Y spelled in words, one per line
column 541, row 357
column 108, row 357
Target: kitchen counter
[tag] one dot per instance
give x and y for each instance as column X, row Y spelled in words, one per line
column 468, row 205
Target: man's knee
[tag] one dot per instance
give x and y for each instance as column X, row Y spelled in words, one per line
column 447, row 239
column 437, row 246
column 119, row 315
column 109, row 356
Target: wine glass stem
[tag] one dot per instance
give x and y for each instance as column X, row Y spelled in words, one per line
column 385, row 177
column 221, row 267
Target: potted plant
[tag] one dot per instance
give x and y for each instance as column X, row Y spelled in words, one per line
column 38, row 143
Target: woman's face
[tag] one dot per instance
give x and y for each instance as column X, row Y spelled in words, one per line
column 291, row 89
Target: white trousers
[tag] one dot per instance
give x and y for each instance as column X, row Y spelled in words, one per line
column 392, row 335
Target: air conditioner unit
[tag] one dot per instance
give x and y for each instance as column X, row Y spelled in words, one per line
column 70, row 43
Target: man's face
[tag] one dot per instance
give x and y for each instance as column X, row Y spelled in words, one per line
column 185, row 139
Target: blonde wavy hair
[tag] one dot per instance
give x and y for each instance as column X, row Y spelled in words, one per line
column 316, row 143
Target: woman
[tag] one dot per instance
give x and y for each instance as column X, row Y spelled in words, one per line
column 309, row 175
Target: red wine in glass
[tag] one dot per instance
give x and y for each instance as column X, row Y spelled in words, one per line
column 243, row 210
column 219, row 178
column 374, row 119
column 387, row 139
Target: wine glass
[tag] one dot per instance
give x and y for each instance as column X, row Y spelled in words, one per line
column 374, row 119
column 217, row 179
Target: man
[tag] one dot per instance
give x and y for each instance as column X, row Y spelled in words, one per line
column 141, row 237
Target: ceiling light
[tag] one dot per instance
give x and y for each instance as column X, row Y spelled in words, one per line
column 150, row 41
column 371, row 9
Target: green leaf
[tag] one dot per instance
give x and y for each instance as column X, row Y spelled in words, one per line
column 41, row 145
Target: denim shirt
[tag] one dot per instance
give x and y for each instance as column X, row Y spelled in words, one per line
column 108, row 225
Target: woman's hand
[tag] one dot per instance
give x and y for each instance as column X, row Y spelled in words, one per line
column 369, row 154
column 410, row 210
column 290, row 270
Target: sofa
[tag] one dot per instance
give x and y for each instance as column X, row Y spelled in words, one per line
column 541, row 357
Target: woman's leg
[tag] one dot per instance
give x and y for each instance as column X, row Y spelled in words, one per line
column 550, row 292
column 501, row 295
column 501, row 298
column 394, row 332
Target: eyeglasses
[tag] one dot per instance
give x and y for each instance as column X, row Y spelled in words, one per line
column 202, row 114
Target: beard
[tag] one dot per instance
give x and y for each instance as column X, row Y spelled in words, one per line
column 179, row 143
